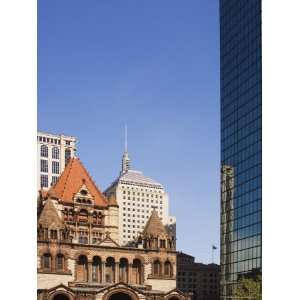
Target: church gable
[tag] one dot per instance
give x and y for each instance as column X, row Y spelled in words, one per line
column 71, row 182
column 84, row 196
column 108, row 241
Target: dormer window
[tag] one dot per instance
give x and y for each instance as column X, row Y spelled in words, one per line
column 83, row 192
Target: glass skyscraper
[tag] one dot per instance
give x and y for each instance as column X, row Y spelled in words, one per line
column 241, row 168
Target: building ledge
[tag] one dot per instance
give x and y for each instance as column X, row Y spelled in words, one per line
column 40, row 271
column 164, row 277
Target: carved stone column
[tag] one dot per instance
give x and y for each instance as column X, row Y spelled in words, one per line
column 142, row 275
column 90, row 271
column 103, row 272
column 130, row 279
column 117, row 273
column 52, row 261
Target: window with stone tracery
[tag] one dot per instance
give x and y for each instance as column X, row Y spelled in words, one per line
column 157, row 268
column 168, row 269
column 137, row 271
column 59, row 262
column 123, row 270
column 46, row 261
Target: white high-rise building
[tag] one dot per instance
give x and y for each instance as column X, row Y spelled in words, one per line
column 137, row 195
column 53, row 153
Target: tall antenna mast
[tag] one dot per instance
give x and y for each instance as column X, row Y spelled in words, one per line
column 125, row 137
column 125, row 157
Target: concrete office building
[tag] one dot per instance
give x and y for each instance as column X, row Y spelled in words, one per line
column 137, row 195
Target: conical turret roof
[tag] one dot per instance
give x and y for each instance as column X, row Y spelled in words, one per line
column 155, row 226
column 49, row 216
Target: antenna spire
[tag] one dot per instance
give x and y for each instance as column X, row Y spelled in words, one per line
column 125, row 137
column 125, row 158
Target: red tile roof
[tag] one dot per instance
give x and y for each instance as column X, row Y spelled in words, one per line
column 71, row 180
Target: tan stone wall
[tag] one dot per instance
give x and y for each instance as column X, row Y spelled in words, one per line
column 164, row 285
column 113, row 220
column 46, row 281
column 147, row 270
column 72, row 252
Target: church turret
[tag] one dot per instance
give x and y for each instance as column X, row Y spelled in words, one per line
column 155, row 235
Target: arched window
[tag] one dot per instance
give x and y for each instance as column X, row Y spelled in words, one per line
column 60, row 262
column 95, row 218
column 67, row 156
column 157, row 268
column 100, row 219
column 96, row 269
column 55, row 153
column 168, row 269
column 123, row 270
column 44, row 151
column 82, row 269
column 110, row 270
column 137, row 271
column 46, row 261
column 83, row 216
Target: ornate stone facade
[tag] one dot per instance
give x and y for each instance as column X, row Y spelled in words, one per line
column 79, row 256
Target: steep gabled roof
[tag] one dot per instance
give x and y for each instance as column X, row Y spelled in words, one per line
column 154, row 226
column 49, row 217
column 71, row 180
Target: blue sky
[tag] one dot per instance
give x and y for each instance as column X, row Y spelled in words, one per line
column 153, row 65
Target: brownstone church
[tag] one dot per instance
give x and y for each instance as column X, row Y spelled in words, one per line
column 79, row 256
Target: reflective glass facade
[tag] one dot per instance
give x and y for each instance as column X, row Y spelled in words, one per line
column 241, row 99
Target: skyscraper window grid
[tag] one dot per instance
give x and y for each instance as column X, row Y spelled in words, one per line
column 240, row 43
